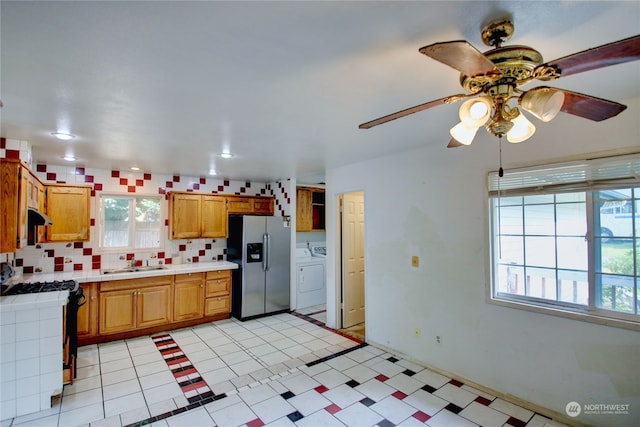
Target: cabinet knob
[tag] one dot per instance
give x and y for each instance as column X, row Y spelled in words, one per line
column 201, row 285
column 92, row 298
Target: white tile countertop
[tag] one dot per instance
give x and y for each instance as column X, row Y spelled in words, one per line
column 85, row 276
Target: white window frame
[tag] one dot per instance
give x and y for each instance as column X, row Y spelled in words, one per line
column 100, row 210
column 582, row 176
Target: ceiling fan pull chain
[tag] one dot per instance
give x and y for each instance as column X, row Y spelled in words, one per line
column 500, row 171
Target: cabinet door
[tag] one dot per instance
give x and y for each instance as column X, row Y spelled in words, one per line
column 303, row 210
column 185, row 216
column 23, row 203
column 188, row 300
column 68, row 208
column 88, row 313
column 239, row 205
column 117, row 311
column 214, row 216
column 263, row 205
column 153, row 306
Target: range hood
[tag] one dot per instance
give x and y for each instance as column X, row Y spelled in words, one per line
column 36, row 218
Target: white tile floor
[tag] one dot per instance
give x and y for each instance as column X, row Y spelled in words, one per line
column 280, row 370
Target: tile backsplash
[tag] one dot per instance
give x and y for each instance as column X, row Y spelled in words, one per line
column 51, row 257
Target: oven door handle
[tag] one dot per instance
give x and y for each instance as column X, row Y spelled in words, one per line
column 82, row 299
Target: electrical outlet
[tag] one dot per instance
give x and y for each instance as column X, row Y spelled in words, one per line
column 438, row 339
column 415, row 261
column 417, row 332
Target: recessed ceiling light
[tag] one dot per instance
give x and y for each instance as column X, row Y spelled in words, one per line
column 226, row 155
column 135, row 168
column 69, row 157
column 212, row 172
column 63, row 136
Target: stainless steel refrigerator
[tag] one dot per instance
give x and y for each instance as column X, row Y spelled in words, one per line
column 261, row 247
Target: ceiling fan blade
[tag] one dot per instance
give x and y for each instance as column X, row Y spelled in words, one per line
column 590, row 107
column 619, row 52
column 409, row 111
column 454, row 143
column 462, row 56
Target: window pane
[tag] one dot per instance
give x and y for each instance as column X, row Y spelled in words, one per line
column 147, row 232
column 510, row 279
column 539, row 219
column 541, row 283
column 571, row 219
column 616, row 256
column 510, row 220
column 574, row 286
column 540, row 251
column 572, row 253
column 541, row 198
column 511, row 250
column 616, row 292
column 616, row 213
column 116, row 222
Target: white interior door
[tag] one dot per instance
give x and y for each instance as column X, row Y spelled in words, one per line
column 352, row 259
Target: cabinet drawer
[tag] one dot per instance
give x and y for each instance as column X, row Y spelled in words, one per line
column 217, row 305
column 188, row 277
column 218, row 274
column 117, row 285
column 218, row 287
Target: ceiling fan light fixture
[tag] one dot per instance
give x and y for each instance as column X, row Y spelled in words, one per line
column 522, row 129
column 463, row 133
column 475, row 112
column 543, row 102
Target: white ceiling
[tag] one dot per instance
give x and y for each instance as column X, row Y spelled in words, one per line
column 166, row 86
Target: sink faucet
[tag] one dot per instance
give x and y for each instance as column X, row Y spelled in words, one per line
column 133, row 262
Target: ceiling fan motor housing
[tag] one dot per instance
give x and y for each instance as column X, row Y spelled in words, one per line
column 515, row 62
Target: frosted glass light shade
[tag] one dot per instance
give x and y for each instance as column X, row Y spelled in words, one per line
column 463, row 133
column 475, row 112
column 543, row 102
column 522, row 129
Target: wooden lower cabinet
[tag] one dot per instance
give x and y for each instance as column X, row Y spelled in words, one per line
column 188, row 296
column 126, row 308
column 127, row 305
column 88, row 312
column 218, row 292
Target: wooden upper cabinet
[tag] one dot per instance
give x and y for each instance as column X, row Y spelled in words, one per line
column 310, row 209
column 214, row 217
column 250, row 205
column 68, row 208
column 184, row 215
column 16, row 181
column 193, row 216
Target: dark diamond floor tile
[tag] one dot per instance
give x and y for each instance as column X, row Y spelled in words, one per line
column 451, row 407
column 428, row 388
column 367, row 401
column 392, row 359
column 287, row 395
column 295, row 416
column 352, row 383
column 409, row 372
column 456, row 383
column 516, row 422
column 385, row 423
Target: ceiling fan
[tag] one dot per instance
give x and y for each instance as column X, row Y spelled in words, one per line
column 492, row 81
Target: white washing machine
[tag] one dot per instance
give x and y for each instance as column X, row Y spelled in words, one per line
column 310, row 286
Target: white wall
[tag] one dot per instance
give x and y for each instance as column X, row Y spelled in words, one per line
column 431, row 202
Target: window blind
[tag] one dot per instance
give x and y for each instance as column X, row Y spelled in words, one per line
column 586, row 175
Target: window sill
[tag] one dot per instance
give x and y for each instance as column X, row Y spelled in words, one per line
column 584, row 316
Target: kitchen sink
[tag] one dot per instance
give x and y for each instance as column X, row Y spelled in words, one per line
column 134, row 269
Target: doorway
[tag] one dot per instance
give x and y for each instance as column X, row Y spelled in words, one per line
column 351, row 225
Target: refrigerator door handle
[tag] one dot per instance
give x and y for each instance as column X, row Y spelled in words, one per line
column 265, row 252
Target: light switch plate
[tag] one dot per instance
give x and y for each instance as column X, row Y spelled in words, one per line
column 415, row 261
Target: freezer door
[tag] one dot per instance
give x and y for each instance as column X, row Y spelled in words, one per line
column 278, row 265
column 253, row 278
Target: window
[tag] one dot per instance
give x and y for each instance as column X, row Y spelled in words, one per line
column 566, row 238
column 130, row 222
